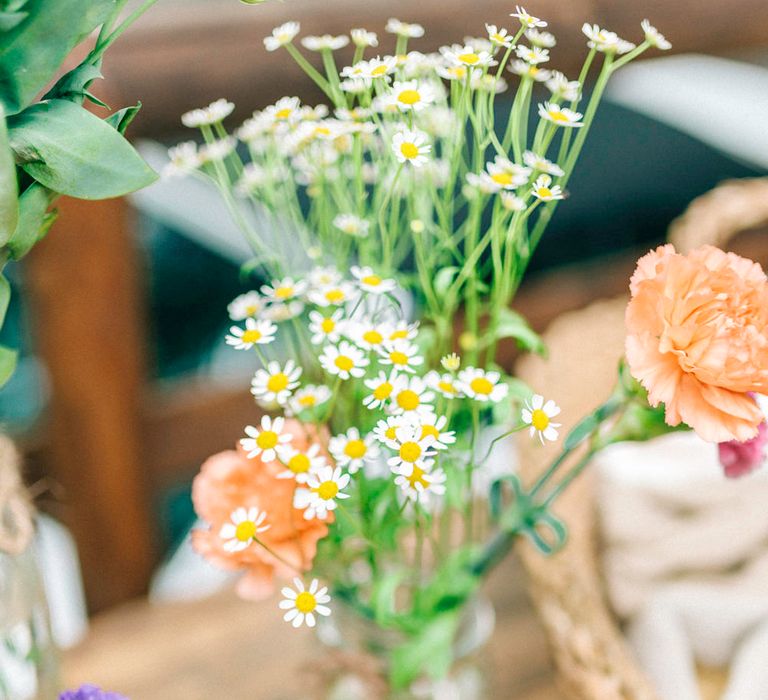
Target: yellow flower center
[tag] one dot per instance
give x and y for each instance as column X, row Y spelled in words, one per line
column 308, row 400
column 277, row 382
column 284, row 292
column 417, row 477
column 267, row 439
column 539, row 419
column 390, row 432
column 283, row 113
column 410, row 451
column 355, row 449
column 409, row 97
column 251, row 336
column 429, row 431
column 327, row 325
column 322, row 131
column 382, row 391
column 558, row 116
column 409, row 150
column 544, row 192
column 446, row 387
column 334, row 296
column 344, row 363
column 480, row 385
column 245, row 530
column 398, row 335
column 502, row 178
column 457, row 72
column 379, row 70
column 469, row 58
column 327, row 490
column 371, row 280
column 398, row 358
column 408, row 400
column 498, row 38
column 299, row 464
column 252, row 310
column 373, row 337
column 306, row 602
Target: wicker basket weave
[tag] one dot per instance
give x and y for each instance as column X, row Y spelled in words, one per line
column 592, row 658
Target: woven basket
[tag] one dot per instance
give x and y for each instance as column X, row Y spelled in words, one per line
column 592, row 657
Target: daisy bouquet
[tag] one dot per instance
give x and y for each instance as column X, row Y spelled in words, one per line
column 412, row 197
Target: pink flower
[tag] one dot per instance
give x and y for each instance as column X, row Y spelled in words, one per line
column 741, row 458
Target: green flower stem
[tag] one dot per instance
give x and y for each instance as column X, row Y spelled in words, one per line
column 311, row 71
column 103, row 44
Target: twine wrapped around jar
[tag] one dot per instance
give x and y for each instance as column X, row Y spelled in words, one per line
column 16, row 510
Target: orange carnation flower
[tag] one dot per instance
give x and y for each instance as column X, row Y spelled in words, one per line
column 698, row 339
column 229, row 480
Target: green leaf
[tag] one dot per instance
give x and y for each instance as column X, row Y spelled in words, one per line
column 121, row 119
column 430, row 652
column 9, row 192
column 74, row 85
column 8, row 20
column 34, row 219
column 584, row 429
column 443, row 280
column 71, row 151
column 5, row 298
column 513, row 325
column 8, row 359
column 34, row 49
column 383, row 596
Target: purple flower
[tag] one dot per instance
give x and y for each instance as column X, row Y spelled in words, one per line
column 741, row 458
column 90, row 692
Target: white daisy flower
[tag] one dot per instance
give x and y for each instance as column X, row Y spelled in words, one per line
column 267, row 440
column 333, row 294
column 524, row 69
column 275, row 384
column 205, row 116
column 421, row 484
column 351, row 225
column 355, row 86
column 538, row 415
column 411, row 445
column 286, row 109
column 182, row 159
column 411, row 95
column 543, row 39
column 319, row 495
column 324, row 276
column 654, row 37
column 479, row 43
column 344, row 361
column 483, row 183
column 302, row 605
column 363, row 38
column 351, row 451
column 326, row 42
column 381, row 388
column 216, row 150
column 560, row 116
column 533, row 56
column 282, row 35
column 252, row 177
column 371, row 282
column 452, row 72
column 562, row 88
column 411, row 31
column 256, row 332
column 511, row 202
column 466, row 56
column 487, row 83
column 526, row 19
column 241, row 530
column 536, row 162
column 450, row 362
column 278, row 312
column 299, row 465
column 309, row 397
column 366, row 333
column 385, row 429
column 444, row 384
column 284, row 289
column 403, row 330
column 433, row 427
column 411, row 147
column 605, row 41
column 499, row 36
column 506, row 174
column 325, row 328
column 245, row 306
column 544, row 190
column 401, row 354
column 480, row 385
column 411, row 396
column 356, row 114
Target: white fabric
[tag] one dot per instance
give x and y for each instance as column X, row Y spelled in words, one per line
column 686, row 563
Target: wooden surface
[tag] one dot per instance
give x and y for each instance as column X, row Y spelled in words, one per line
column 226, row 649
